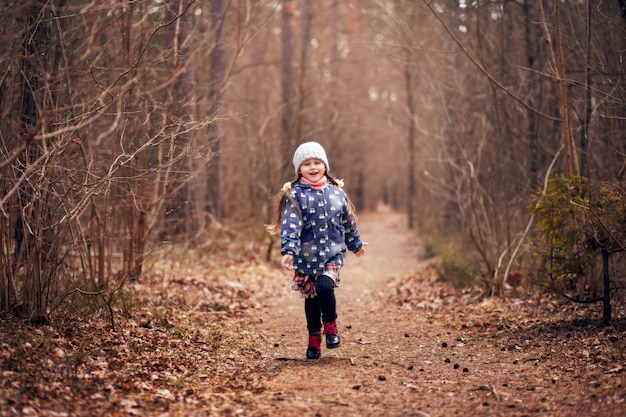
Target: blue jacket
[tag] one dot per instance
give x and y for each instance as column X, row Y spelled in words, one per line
column 319, row 229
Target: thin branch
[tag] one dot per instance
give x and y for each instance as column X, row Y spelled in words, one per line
column 572, row 299
column 16, row 153
column 530, row 221
column 30, row 169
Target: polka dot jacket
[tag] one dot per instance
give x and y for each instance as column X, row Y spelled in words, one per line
column 317, row 227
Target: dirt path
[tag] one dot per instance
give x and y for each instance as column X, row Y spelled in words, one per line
column 354, row 379
column 396, row 361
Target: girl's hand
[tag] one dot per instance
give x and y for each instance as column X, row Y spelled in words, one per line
column 361, row 251
column 287, row 262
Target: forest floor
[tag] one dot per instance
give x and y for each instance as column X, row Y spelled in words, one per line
column 231, row 342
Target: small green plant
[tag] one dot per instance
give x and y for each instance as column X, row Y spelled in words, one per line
column 577, row 227
column 461, row 273
column 456, row 266
column 429, row 251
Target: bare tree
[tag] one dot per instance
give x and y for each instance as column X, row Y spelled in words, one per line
column 216, row 81
column 287, row 86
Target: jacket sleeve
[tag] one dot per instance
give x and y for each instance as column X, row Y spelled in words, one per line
column 290, row 229
column 352, row 236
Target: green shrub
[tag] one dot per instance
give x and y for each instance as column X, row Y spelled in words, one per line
column 578, row 227
column 456, row 265
column 460, row 273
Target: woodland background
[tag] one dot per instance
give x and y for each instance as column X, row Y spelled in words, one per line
column 133, row 131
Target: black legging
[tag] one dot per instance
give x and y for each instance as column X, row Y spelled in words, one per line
column 323, row 306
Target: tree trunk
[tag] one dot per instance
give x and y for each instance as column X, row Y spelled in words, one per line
column 29, row 228
column 557, row 58
column 218, row 70
column 584, row 128
column 303, row 93
column 408, row 77
column 606, row 280
column 288, row 12
column 534, row 153
column 181, row 218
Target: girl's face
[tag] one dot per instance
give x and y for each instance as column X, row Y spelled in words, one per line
column 313, row 169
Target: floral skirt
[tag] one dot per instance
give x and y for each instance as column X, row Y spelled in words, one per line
column 305, row 283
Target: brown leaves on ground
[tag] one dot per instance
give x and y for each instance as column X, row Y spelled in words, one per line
column 560, row 351
column 179, row 351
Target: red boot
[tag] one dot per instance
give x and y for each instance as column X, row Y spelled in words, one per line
column 332, row 338
column 315, row 342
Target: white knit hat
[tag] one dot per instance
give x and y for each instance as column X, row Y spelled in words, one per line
column 309, row 150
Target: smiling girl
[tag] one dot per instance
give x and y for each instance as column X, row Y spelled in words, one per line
column 317, row 225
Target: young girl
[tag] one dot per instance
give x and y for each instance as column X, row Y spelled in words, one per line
column 317, row 224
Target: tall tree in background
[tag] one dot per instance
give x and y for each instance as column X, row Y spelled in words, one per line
column 411, row 92
column 556, row 62
column 216, row 82
column 286, row 81
column 183, row 215
column 303, row 93
column 33, row 248
column 531, row 48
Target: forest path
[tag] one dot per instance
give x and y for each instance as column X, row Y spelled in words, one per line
column 445, row 355
column 379, row 369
